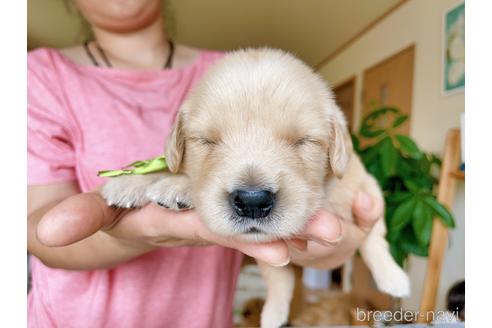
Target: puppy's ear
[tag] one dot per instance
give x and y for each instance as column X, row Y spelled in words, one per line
column 340, row 144
column 175, row 145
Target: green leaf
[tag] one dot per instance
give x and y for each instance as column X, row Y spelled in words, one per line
column 398, row 254
column 409, row 244
column 411, row 185
column 374, row 169
column 405, row 167
column 422, row 223
column 398, row 197
column 408, row 146
column 389, row 156
column 390, row 210
column 424, row 182
column 402, row 215
column 370, row 153
column 434, row 159
column 368, row 127
column 355, row 143
column 441, row 211
column 424, row 164
column 400, row 120
column 367, row 131
column 392, row 236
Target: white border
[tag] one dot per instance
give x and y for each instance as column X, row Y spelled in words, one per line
column 13, row 280
column 478, row 211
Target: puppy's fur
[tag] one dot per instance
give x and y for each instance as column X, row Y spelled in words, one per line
column 263, row 118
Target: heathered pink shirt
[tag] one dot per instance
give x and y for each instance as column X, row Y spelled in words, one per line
column 82, row 119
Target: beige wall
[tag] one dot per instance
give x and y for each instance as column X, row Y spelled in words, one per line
column 297, row 26
column 418, row 22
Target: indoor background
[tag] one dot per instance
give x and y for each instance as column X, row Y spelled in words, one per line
column 342, row 40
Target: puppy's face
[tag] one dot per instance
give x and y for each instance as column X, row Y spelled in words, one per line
column 258, row 137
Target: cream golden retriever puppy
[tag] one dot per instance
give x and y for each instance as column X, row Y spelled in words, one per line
column 258, row 146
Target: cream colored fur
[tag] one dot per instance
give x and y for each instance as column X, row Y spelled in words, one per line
column 263, row 118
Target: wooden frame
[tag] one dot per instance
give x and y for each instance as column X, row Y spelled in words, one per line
column 351, row 80
column 439, row 239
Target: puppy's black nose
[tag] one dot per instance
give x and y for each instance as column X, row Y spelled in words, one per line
column 252, row 203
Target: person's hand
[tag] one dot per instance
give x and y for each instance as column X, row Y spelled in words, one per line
column 329, row 241
column 144, row 229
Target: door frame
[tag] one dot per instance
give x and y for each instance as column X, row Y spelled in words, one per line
column 350, row 79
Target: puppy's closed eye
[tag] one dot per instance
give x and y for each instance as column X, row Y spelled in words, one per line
column 204, row 141
column 307, row 140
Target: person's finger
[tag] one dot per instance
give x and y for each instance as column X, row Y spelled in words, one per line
column 323, row 228
column 158, row 224
column 75, row 218
column 332, row 255
column 297, row 243
column 275, row 253
column 367, row 210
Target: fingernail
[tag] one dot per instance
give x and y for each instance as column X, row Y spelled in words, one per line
column 333, row 242
column 281, row 264
column 364, row 201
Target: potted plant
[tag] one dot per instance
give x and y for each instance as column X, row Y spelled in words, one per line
column 407, row 176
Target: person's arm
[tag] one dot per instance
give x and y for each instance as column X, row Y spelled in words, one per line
column 99, row 250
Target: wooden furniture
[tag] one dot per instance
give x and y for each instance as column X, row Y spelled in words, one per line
column 345, row 97
column 390, row 83
column 439, row 239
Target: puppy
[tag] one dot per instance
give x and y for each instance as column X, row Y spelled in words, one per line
column 257, row 147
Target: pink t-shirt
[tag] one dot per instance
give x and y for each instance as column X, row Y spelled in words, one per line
column 82, row 119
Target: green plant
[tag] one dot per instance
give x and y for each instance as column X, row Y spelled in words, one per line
column 406, row 175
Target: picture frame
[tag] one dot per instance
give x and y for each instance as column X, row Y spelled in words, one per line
column 453, row 54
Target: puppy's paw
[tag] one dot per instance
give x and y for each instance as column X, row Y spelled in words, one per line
column 274, row 316
column 128, row 191
column 172, row 191
column 393, row 280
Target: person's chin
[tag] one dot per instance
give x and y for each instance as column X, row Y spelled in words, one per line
column 129, row 22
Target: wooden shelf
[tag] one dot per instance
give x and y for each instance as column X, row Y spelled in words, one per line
column 439, row 239
column 458, row 174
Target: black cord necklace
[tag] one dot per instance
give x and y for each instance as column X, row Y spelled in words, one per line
column 107, row 62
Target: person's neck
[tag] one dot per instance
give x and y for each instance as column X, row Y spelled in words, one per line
column 147, row 48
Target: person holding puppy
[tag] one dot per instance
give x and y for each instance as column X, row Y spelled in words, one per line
column 105, row 104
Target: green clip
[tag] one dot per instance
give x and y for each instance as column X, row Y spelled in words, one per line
column 157, row 164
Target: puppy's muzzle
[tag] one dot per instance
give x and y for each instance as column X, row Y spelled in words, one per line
column 252, row 203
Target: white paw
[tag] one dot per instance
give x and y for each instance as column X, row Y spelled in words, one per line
column 172, row 191
column 392, row 280
column 127, row 191
column 274, row 316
